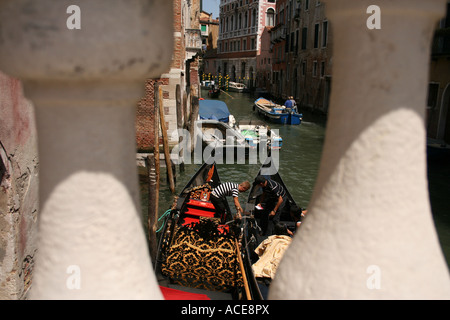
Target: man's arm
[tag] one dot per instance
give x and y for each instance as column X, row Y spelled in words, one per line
column 279, row 202
column 238, row 206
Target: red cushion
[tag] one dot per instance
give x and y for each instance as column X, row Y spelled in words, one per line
column 173, row 294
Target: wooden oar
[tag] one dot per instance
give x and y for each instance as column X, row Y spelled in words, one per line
column 244, row 276
column 227, row 94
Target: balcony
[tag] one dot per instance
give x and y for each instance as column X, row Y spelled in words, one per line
column 278, row 34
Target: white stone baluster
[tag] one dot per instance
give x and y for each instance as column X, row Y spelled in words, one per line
column 369, row 233
column 85, row 84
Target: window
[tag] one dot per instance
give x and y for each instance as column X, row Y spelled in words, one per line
column 306, row 4
column 292, row 41
column 322, row 69
column 304, row 37
column 433, row 89
column 314, row 69
column 303, row 68
column 324, row 33
column 316, row 35
column 270, row 20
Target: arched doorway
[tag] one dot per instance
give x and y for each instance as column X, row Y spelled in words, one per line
column 252, row 77
column 242, row 71
column 233, row 74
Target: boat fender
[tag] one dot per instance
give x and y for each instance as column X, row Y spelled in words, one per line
column 231, row 120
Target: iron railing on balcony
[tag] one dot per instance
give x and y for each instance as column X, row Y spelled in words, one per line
column 278, row 34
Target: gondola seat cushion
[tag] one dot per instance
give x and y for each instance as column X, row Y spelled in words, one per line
column 202, row 257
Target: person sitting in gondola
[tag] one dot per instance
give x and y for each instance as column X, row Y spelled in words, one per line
column 295, row 217
column 219, row 199
column 272, row 202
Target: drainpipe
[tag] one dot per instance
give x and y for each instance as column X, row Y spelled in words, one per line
column 84, row 69
column 369, row 233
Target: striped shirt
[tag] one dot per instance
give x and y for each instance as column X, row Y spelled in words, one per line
column 226, row 189
column 274, row 188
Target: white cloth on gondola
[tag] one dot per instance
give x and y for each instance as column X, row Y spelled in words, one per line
column 270, row 252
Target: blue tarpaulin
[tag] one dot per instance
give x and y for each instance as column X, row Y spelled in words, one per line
column 213, row 110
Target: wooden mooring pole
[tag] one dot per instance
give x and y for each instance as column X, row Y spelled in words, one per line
column 194, row 114
column 165, row 142
column 179, row 126
column 153, row 202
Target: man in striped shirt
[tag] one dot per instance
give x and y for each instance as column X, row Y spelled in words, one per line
column 274, row 199
column 227, row 189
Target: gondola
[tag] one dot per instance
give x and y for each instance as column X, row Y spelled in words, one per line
column 214, row 92
column 252, row 238
column 196, row 252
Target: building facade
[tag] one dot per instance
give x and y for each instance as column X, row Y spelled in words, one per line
column 301, row 50
column 438, row 106
column 183, row 73
column 242, row 23
column 210, row 34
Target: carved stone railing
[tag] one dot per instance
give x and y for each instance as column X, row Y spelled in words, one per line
column 369, row 232
column 84, row 69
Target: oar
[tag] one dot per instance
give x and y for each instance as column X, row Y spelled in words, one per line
column 244, row 275
column 227, row 94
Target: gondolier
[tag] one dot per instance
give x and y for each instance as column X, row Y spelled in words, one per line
column 227, row 189
column 272, row 203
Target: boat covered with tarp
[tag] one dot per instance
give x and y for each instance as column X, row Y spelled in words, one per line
column 213, row 110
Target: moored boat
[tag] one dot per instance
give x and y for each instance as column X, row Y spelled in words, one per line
column 221, row 137
column 215, row 129
column 196, row 252
column 206, row 84
column 256, row 132
column 277, row 113
column 236, row 86
column 214, row 110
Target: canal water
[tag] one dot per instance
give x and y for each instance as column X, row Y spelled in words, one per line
column 298, row 166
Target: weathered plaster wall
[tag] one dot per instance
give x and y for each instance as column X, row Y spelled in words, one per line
column 18, row 190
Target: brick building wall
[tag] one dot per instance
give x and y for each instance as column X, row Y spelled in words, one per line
column 183, row 72
column 145, row 117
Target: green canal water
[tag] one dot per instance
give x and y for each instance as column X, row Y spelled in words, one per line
column 298, row 166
